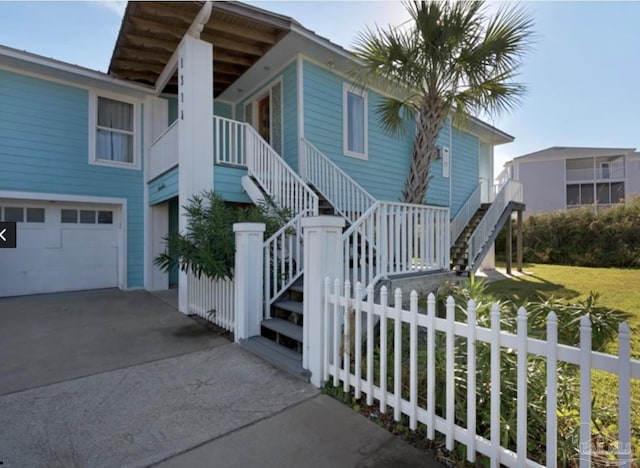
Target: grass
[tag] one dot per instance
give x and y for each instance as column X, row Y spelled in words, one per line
column 618, row 289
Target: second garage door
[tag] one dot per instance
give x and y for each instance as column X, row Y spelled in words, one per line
column 60, row 247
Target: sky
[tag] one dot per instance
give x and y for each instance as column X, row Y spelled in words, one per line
column 583, row 76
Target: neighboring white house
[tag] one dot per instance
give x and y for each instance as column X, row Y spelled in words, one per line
column 560, row 178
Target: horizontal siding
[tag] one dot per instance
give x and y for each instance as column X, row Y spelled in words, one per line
column 438, row 189
column 164, row 187
column 465, row 168
column 227, row 183
column 384, row 173
column 44, row 139
column 223, row 109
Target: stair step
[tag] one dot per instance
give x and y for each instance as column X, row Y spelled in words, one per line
column 299, row 288
column 284, row 327
column 290, row 306
column 281, row 357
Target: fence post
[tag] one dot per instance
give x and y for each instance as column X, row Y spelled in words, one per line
column 323, row 257
column 248, row 279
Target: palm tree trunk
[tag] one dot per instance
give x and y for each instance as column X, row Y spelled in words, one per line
column 425, row 151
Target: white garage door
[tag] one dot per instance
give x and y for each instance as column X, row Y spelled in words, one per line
column 60, row 247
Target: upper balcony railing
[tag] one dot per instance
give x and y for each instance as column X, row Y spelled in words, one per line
column 600, row 173
column 163, row 154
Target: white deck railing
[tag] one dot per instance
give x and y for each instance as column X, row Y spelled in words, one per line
column 395, row 238
column 212, row 300
column 283, row 263
column 591, row 174
column 344, row 193
column 342, row 311
column 510, row 191
column 229, row 141
column 466, row 213
column 163, row 154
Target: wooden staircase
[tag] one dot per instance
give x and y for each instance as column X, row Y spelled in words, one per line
column 459, row 250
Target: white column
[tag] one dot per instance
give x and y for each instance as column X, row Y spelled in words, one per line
column 323, row 257
column 195, row 139
column 248, row 279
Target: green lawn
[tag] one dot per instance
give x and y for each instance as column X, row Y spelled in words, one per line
column 619, row 289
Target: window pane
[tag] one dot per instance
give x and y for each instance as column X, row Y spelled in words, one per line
column 113, row 146
column 87, row 217
column 355, row 123
column 115, row 114
column 105, row 217
column 603, row 194
column 573, row 195
column 35, row 215
column 586, row 194
column 15, row 215
column 617, row 192
column 69, row 216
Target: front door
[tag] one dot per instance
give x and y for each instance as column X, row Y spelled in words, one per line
column 264, row 119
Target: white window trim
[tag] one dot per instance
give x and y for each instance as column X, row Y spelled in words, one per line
column 347, row 88
column 93, row 125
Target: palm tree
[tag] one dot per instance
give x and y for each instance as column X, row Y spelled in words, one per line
column 453, row 59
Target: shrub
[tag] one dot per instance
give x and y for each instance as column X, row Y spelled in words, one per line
column 582, row 237
column 208, row 245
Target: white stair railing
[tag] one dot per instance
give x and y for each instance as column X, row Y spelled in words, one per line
column 511, row 191
column 283, row 260
column 395, row 238
column 465, row 214
column 276, row 178
column 344, row 193
column 229, row 142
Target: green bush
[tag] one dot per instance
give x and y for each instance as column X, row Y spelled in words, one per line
column 208, row 245
column 582, row 237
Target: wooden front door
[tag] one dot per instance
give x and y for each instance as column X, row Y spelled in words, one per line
column 264, row 119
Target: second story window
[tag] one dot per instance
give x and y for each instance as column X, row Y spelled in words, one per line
column 113, row 132
column 354, row 123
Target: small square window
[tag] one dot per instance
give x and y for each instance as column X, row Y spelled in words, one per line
column 105, row 217
column 87, row 217
column 35, row 215
column 15, row 215
column 69, row 216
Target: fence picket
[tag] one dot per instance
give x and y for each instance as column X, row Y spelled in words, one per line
column 521, row 428
column 384, row 300
column 358, row 341
column 370, row 338
column 431, row 366
column 413, row 361
column 624, row 395
column 585, row 392
column 336, row 335
column 397, row 355
column 450, row 373
column 495, row 386
column 471, row 381
column 552, row 388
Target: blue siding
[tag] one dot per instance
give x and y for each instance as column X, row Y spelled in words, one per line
column 227, row 183
column 438, row 190
column 223, row 109
column 465, row 168
column 44, row 148
column 164, row 187
column 384, row 173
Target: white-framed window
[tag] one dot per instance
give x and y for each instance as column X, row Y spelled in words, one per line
column 113, row 131
column 354, row 119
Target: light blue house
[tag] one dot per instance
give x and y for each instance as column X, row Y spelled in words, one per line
column 95, row 168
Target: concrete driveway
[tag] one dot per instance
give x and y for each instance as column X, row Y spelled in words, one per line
column 110, row 378
column 56, row 337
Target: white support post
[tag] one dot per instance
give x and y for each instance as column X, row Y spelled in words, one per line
column 323, row 257
column 195, row 139
column 248, row 279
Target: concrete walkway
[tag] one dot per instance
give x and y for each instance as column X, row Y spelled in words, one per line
column 129, row 387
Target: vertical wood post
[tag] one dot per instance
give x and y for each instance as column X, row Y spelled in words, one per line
column 248, row 279
column 519, row 242
column 323, row 257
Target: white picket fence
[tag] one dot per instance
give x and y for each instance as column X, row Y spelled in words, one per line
column 348, row 326
column 212, row 300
